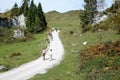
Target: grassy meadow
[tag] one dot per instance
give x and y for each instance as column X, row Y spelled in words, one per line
column 26, row 51
column 72, row 39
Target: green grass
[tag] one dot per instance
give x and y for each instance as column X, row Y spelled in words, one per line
column 68, row 69
column 29, row 50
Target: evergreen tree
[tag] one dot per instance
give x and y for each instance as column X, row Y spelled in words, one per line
column 91, row 9
column 31, row 18
column 24, row 7
column 116, row 6
column 89, row 13
column 41, row 16
column 15, row 11
column 36, row 21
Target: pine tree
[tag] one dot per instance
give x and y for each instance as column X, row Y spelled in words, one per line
column 36, row 21
column 15, row 10
column 31, row 17
column 24, row 7
column 41, row 16
column 90, row 10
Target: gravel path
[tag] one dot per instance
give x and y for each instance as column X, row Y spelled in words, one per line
column 38, row 66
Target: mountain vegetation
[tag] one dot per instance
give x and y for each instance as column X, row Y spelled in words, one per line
column 83, row 62
column 35, row 19
column 88, row 14
column 97, row 60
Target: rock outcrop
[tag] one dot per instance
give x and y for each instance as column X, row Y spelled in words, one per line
column 18, row 21
column 100, row 17
column 6, row 22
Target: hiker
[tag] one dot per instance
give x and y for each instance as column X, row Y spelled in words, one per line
column 56, row 29
column 48, row 42
column 43, row 53
column 50, row 36
column 51, row 54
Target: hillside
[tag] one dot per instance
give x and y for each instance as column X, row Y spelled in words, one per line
column 70, row 68
column 5, row 15
column 54, row 15
column 59, row 20
column 72, row 39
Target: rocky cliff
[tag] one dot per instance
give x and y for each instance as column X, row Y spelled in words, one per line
column 18, row 21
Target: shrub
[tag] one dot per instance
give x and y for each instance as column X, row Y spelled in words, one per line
column 6, row 36
column 99, row 60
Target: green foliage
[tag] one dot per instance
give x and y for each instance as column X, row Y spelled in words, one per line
column 111, row 23
column 16, row 54
column 15, row 10
column 24, row 7
column 114, row 8
column 84, row 21
column 6, row 36
column 41, row 16
column 88, row 14
column 67, row 70
column 36, row 21
column 99, row 60
column 31, row 17
column 118, row 21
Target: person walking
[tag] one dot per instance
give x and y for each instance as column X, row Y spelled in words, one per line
column 48, row 42
column 50, row 36
column 43, row 53
column 51, row 54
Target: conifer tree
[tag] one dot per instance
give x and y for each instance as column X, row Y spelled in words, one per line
column 15, row 11
column 41, row 16
column 89, row 12
column 24, row 7
column 36, row 21
column 91, row 9
column 31, row 17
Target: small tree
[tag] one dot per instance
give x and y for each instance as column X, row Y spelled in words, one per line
column 31, row 17
column 41, row 16
column 24, row 7
column 35, row 21
column 89, row 13
column 15, row 10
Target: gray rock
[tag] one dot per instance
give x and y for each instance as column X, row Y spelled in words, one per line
column 2, row 67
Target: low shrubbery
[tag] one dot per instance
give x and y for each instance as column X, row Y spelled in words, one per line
column 6, row 36
column 110, row 23
column 101, row 61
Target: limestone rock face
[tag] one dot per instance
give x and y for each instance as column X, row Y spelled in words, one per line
column 18, row 33
column 18, row 21
column 100, row 17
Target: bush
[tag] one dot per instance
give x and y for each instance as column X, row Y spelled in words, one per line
column 6, row 36
column 99, row 60
column 86, row 28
